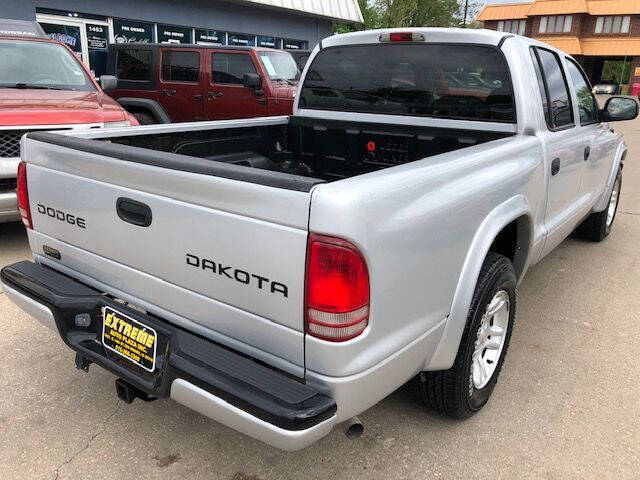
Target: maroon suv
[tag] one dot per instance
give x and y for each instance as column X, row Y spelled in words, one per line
column 164, row 83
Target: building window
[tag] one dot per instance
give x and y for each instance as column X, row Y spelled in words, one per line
column 512, row 26
column 556, row 24
column 613, row 24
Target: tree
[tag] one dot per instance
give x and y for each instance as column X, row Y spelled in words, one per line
column 412, row 13
column 371, row 15
column 420, row 13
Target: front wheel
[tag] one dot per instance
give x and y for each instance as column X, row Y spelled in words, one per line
column 597, row 226
column 466, row 387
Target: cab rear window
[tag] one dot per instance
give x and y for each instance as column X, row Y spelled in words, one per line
column 468, row 82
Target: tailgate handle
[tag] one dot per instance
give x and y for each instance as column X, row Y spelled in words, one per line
column 134, row 212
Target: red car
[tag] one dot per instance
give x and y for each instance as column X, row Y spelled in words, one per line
column 43, row 86
column 165, row 83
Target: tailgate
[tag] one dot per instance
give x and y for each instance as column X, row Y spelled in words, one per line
column 220, row 256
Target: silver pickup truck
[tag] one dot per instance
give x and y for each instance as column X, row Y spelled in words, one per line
column 282, row 275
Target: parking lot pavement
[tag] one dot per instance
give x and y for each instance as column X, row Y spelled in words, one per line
column 566, row 405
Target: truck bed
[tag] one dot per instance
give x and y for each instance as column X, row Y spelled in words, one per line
column 307, row 151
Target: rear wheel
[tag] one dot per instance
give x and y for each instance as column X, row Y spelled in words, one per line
column 144, row 118
column 597, row 226
column 466, row 387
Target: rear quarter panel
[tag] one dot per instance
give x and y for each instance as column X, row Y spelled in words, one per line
column 415, row 225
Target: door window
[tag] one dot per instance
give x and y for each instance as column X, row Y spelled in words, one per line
column 230, row 68
column 554, row 90
column 180, row 66
column 98, row 45
column 586, row 102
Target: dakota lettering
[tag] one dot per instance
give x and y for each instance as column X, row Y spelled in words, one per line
column 240, row 276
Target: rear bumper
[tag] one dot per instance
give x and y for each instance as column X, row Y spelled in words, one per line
column 204, row 376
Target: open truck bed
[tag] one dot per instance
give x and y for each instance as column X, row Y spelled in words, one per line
column 298, row 152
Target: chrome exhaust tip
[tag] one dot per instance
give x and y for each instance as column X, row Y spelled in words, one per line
column 353, row 428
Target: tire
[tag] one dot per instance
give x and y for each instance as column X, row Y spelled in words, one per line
column 455, row 392
column 597, row 226
column 144, row 118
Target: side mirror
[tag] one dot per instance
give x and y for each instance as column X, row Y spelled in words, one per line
column 619, row 108
column 108, row 82
column 252, row 80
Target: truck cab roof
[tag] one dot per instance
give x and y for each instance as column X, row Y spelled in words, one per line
column 431, row 35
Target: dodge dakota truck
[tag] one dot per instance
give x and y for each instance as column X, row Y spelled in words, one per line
column 281, row 275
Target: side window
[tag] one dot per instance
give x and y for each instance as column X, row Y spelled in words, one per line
column 560, row 113
column 542, row 87
column 231, row 67
column 586, row 102
column 133, row 64
column 180, row 66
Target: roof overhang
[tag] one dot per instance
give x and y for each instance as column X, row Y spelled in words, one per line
column 595, row 47
column 512, row 11
column 338, row 10
column 516, row 11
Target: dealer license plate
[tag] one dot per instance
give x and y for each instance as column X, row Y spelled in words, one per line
column 129, row 338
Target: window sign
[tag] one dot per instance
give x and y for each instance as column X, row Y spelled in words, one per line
column 174, row 34
column 268, row 42
column 131, row 31
column 211, row 37
column 289, row 44
column 242, row 40
column 67, row 34
column 97, row 37
column 98, row 44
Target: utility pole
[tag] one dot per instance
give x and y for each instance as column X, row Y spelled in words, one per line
column 466, row 9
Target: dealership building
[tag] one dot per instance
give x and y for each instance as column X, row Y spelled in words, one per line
column 88, row 27
column 593, row 31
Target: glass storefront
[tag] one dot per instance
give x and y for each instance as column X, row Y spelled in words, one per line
column 89, row 35
column 132, row 31
column 241, row 40
column 289, row 44
column 174, row 34
column 67, row 34
column 210, row 37
column 98, row 46
column 268, row 42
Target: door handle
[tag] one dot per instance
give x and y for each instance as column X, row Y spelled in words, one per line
column 587, row 152
column 262, row 101
column 198, row 98
column 555, row 166
column 168, row 91
column 133, row 212
column 214, row 94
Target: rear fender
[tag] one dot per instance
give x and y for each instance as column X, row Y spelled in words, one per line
column 152, row 106
column 499, row 218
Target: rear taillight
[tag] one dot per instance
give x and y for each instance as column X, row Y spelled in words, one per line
column 337, row 289
column 23, row 195
column 402, row 37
